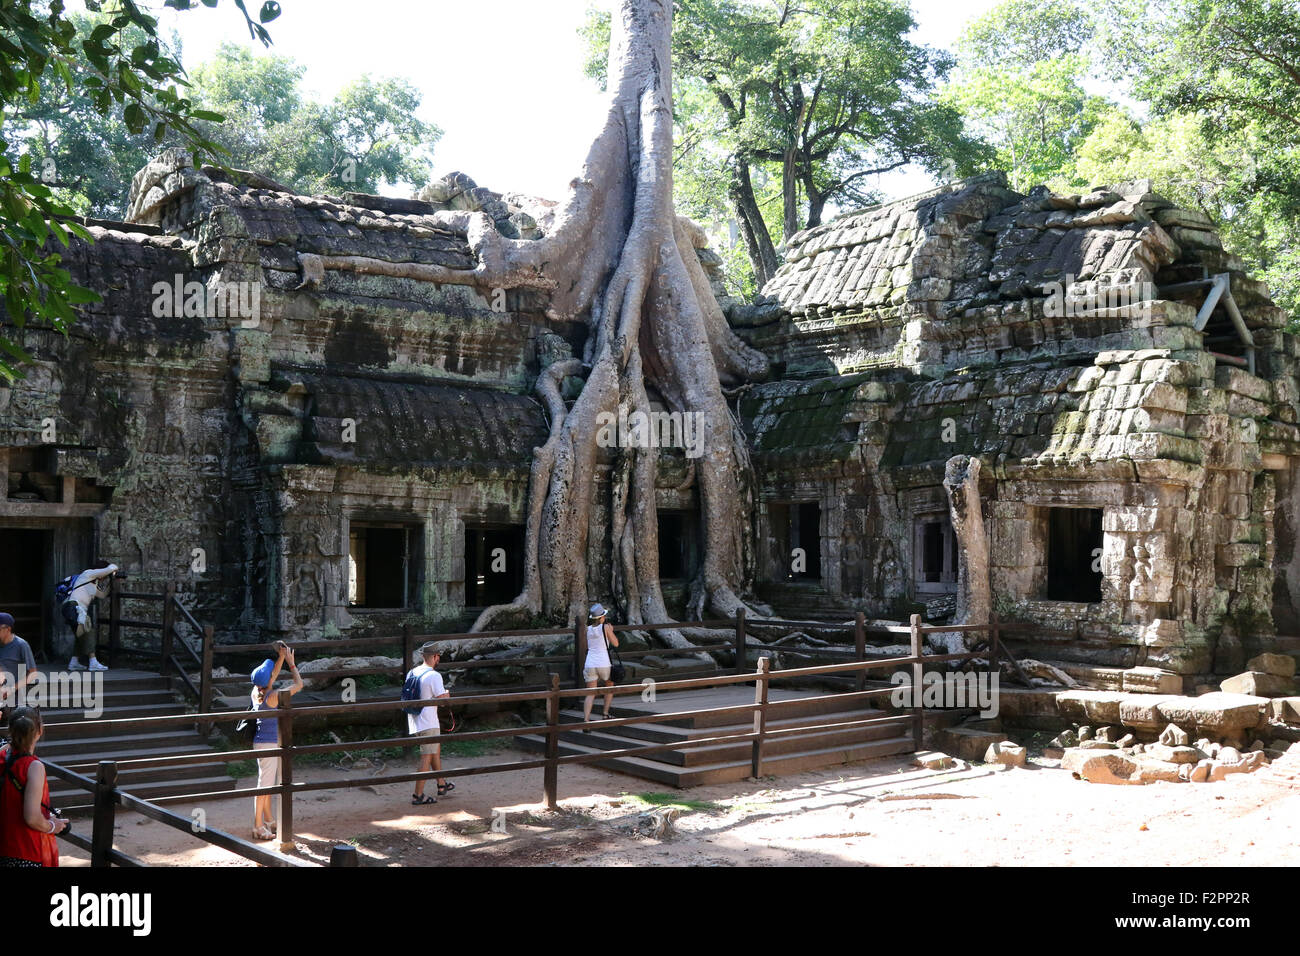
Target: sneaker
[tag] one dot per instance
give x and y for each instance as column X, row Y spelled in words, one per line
column 97, row 666
column 76, row 665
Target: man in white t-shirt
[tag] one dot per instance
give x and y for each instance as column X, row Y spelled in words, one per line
column 424, row 723
column 75, row 609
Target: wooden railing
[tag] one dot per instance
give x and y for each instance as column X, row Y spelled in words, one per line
column 761, row 678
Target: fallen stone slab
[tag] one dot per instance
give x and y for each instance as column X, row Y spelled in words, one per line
column 932, row 760
column 1090, row 706
column 1259, row 684
column 1104, row 768
column 1151, row 770
column 1151, row 680
column 1280, row 665
column 1174, row 755
column 1216, row 714
column 1007, row 754
column 1142, row 712
column 1097, row 745
column 967, row 743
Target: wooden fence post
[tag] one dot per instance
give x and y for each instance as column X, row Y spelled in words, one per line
column 408, row 655
column 286, row 774
column 740, row 640
column 918, row 671
column 579, row 650
column 168, row 626
column 101, row 836
column 760, row 716
column 860, row 646
column 205, row 681
column 551, row 774
column 995, row 651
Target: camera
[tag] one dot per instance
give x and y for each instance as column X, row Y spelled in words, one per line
column 55, row 812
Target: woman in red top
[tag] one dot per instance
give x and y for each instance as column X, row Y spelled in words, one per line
column 26, row 829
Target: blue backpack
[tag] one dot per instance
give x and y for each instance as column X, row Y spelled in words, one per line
column 411, row 691
column 64, row 589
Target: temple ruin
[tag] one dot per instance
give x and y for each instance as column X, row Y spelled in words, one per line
column 319, row 444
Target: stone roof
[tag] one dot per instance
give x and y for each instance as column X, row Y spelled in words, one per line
column 399, row 424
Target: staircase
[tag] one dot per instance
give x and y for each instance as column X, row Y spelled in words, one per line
column 127, row 694
column 727, row 762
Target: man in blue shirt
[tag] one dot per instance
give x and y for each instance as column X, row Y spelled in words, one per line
column 16, row 659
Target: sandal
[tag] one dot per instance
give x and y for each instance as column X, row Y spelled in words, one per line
column 263, row 833
column 422, row 800
column 444, row 788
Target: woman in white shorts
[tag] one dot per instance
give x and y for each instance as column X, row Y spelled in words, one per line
column 600, row 635
column 268, row 737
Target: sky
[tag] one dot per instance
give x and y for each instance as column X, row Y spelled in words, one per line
column 502, row 78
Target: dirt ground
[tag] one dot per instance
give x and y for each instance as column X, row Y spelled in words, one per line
column 877, row 813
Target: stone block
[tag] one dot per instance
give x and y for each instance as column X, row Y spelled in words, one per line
column 1280, row 665
column 1143, row 713
column 1101, row 768
column 1173, row 754
column 1216, row 714
column 1285, row 709
column 1151, row 680
column 966, row 743
column 1174, row 736
column 1006, row 753
column 1259, row 684
column 1090, row 706
column 932, row 760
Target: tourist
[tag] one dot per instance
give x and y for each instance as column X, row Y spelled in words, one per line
column 268, row 736
column 15, row 658
column 600, row 635
column 424, row 722
column 79, row 592
column 27, row 824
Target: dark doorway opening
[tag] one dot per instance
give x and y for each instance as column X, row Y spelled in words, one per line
column 935, row 545
column 677, row 559
column 797, row 525
column 384, row 565
column 1074, row 540
column 24, row 561
column 494, row 564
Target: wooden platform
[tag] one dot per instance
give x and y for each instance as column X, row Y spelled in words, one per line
column 727, row 761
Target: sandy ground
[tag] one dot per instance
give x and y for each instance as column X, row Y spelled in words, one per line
column 878, row 813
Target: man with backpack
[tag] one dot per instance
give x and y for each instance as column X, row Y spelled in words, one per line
column 74, row 596
column 425, row 683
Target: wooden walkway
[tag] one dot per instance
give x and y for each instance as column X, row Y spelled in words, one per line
column 730, row 761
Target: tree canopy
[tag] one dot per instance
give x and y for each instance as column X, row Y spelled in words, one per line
column 126, row 73
column 785, row 110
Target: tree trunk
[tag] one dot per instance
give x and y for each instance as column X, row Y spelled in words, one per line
column 790, row 193
column 961, row 481
column 762, row 253
column 616, row 255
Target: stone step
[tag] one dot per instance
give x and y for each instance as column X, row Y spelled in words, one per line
column 733, row 770
column 728, row 751
column 148, row 791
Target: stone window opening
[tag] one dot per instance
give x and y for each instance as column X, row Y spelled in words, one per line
column 935, row 554
column 494, row 564
column 383, row 565
column 797, row 525
column 1074, row 542
column 677, row 545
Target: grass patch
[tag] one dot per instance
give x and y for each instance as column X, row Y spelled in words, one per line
column 672, row 800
